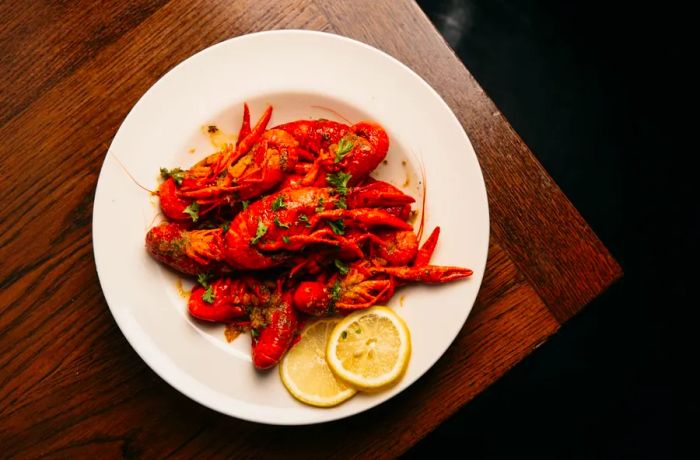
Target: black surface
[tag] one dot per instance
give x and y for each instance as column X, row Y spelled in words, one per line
column 579, row 82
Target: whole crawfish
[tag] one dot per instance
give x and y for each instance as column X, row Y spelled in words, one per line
column 370, row 281
column 276, row 230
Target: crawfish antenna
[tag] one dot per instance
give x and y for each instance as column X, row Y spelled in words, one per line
column 331, row 111
column 425, row 193
column 121, row 165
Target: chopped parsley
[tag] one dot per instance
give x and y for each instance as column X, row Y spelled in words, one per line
column 193, row 211
column 335, row 291
column 341, row 204
column 259, row 232
column 335, row 296
column 203, row 279
column 255, row 333
column 344, row 335
column 320, row 207
column 339, row 180
column 226, row 226
column 305, row 219
column 176, row 173
column 338, row 226
column 344, row 147
column 278, row 203
column 245, row 204
column 280, row 224
column 208, row 295
column 341, row 266
column 285, row 238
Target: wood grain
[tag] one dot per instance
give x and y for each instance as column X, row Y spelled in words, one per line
column 70, row 384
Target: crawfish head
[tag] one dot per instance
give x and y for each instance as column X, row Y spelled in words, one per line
column 187, row 251
column 228, row 298
column 355, row 290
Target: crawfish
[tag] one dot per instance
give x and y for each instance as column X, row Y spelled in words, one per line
column 369, row 282
column 260, row 160
column 227, row 299
column 275, row 230
column 268, row 311
column 355, row 150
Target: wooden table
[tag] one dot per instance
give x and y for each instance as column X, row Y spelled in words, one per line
column 70, row 385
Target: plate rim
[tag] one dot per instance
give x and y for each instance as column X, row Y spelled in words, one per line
column 160, row 368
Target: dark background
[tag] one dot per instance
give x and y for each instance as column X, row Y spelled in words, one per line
column 579, row 81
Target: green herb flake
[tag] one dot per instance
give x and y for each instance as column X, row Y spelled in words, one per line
column 341, row 266
column 338, row 226
column 358, row 331
column 203, row 279
column 226, row 226
column 339, row 180
column 335, row 291
column 280, row 224
column 255, row 333
column 320, row 207
column 278, row 203
column 208, row 295
column 344, row 147
column 344, row 335
column 285, row 238
column 176, row 173
column 193, row 211
column 341, row 204
column 259, row 232
column 305, row 219
column 244, row 204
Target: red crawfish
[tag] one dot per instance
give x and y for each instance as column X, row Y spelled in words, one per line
column 368, row 282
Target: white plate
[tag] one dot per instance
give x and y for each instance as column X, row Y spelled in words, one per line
column 302, row 74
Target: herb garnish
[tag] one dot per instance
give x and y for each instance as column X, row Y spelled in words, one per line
column 285, row 238
column 344, row 147
column 176, row 173
column 278, row 203
column 208, row 295
column 305, row 219
column 280, row 224
column 193, row 210
column 320, row 207
column 339, row 180
column 259, row 232
column 341, row 266
column 341, row 204
column 244, row 204
column 203, row 279
column 338, row 226
column 335, row 291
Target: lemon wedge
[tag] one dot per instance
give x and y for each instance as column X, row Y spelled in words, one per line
column 305, row 372
column 370, row 349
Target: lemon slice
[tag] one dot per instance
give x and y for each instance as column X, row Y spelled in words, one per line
column 305, row 372
column 370, row 348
